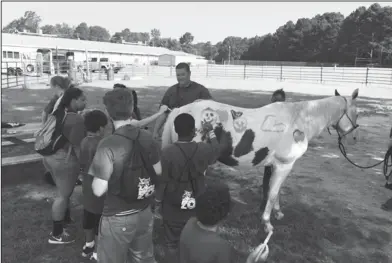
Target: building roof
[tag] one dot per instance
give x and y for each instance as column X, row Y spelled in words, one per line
column 180, row 53
column 82, row 45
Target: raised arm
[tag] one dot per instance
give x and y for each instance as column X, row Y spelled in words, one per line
column 162, row 118
column 144, row 122
column 210, row 150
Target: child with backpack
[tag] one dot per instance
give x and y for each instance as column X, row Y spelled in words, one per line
column 125, row 169
column 59, row 143
column 59, row 84
column 95, row 122
column 184, row 164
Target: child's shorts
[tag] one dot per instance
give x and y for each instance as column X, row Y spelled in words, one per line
column 91, row 221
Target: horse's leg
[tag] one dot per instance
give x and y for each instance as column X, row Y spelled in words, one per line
column 279, row 174
column 266, row 185
column 276, row 209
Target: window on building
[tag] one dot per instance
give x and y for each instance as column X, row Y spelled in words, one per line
column 104, row 60
column 4, row 54
column 16, row 55
column 94, row 59
column 10, row 54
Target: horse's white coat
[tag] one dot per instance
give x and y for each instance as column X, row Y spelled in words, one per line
column 273, row 126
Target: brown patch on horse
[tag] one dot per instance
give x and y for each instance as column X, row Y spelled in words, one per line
column 245, row 145
column 260, row 155
column 226, row 144
column 298, row 136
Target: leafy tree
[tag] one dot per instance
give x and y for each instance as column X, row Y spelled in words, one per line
column 155, row 37
column 30, row 22
column 82, row 31
column 48, row 29
column 186, row 39
column 117, row 38
column 231, row 47
column 64, row 30
column 98, row 33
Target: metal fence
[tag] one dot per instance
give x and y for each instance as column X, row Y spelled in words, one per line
column 379, row 76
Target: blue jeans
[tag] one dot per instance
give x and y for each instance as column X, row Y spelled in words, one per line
column 126, row 239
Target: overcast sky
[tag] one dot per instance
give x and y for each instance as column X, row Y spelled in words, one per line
column 205, row 20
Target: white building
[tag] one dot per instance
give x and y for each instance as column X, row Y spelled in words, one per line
column 125, row 53
column 175, row 57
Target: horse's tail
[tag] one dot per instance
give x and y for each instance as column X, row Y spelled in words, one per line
column 168, row 128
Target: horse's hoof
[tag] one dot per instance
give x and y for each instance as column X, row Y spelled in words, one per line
column 278, row 215
column 268, row 228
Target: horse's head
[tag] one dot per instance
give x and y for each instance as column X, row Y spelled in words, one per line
column 347, row 124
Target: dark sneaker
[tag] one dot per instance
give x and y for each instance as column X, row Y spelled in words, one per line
column 64, row 238
column 87, row 251
column 388, row 186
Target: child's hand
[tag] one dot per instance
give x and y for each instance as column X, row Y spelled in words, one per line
column 259, row 255
column 163, row 109
column 206, row 126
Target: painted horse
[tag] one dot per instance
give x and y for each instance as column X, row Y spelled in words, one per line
column 277, row 134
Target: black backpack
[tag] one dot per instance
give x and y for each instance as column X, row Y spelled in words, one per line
column 50, row 138
column 182, row 192
column 138, row 178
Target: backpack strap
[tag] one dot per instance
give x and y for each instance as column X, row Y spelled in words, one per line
column 143, row 154
column 188, row 160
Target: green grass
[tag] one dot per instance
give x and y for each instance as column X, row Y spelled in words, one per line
column 332, row 209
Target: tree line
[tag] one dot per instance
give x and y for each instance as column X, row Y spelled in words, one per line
column 365, row 34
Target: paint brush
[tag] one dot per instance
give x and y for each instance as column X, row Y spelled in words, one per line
column 263, row 246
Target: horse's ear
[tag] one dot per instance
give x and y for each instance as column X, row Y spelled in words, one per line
column 355, row 94
column 336, row 93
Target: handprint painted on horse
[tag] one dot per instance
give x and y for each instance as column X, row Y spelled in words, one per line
column 277, row 134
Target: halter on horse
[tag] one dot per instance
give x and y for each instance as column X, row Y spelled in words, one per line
column 277, row 134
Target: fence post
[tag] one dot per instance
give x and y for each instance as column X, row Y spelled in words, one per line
column 262, row 71
column 17, row 73
column 207, row 71
column 391, row 76
column 244, row 71
column 281, row 72
column 321, row 74
column 8, row 81
column 367, row 76
column 171, row 69
column 300, row 73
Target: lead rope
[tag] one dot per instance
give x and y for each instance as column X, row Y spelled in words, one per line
column 387, row 156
